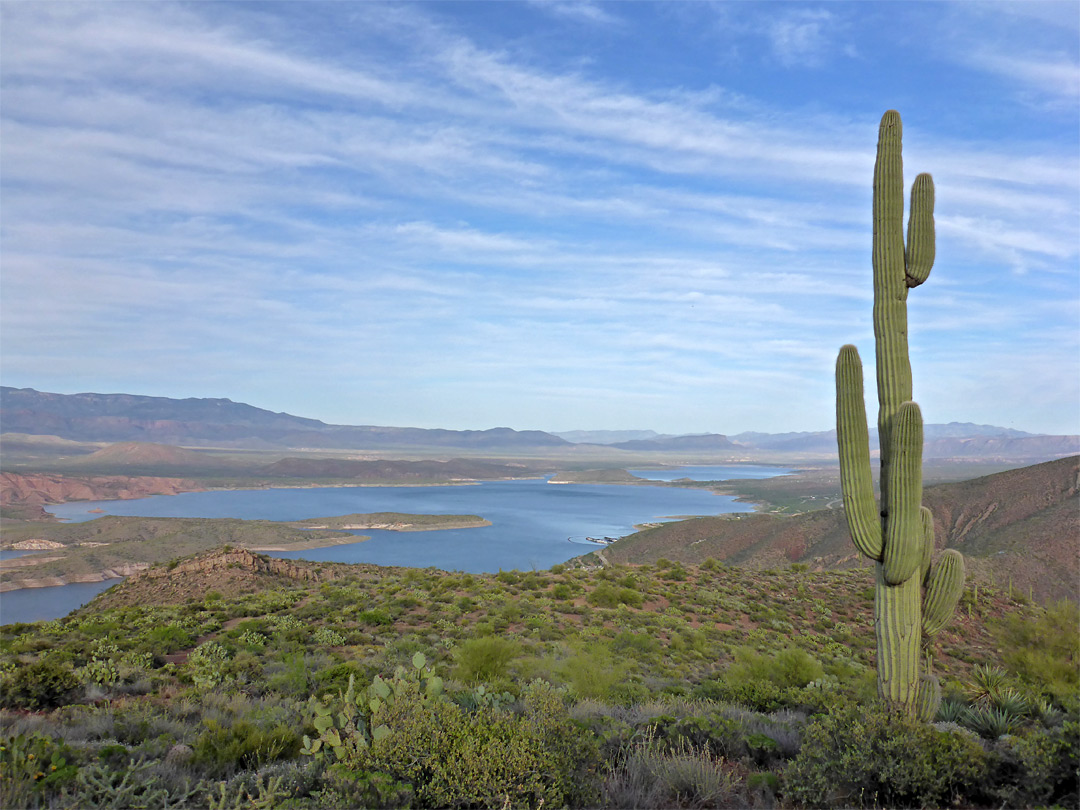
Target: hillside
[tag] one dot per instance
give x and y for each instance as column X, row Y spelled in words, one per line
column 223, row 423
column 702, row 442
column 25, row 495
column 385, row 471
column 1020, row 525
column 149, row 455
column 596, row 477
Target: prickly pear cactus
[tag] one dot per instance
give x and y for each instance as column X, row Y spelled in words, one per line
column 349, row 727
column 913, row 598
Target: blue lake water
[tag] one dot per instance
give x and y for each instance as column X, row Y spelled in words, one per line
column 11, row 554
column 534, row 524
column 42, row 604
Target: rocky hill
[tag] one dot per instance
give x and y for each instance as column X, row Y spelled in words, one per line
column 1021, row 526
column 147, row 454
column 28, row 493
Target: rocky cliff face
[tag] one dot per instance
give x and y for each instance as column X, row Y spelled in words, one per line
column 227, row 570
column 237, row 558
column 38, row 490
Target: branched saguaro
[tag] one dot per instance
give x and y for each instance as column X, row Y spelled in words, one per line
column 913, row 599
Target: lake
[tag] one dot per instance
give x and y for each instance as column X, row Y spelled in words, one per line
column 534, row 524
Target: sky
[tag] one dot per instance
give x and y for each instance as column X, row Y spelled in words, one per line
column 541, row 215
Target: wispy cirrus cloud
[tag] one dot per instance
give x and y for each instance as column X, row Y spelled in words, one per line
column 1050, row 75
column 803, row 37
column 583, row 11
column 413, row 206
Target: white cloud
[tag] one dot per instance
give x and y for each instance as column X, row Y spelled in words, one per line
column 584, row 11
column 802, row 38
column 1049, row 74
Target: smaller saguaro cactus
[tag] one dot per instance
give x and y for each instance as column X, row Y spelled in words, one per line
column 913, row 598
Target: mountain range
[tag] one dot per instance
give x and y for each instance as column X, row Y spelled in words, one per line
column 222, row 423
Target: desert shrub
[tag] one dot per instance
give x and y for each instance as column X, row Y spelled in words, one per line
column 712, row 731
column 43, row 684
column 874, row 756
column 591, row 672
column 1043, row 651
column 485, row 659
column 347, row 787
column 562, row 591
column 1038, row 767
column 762, row 696
column 335, row 678
column 791, row 667
column 374, row 617
column 641, row 643
column 651, row 775
column 222, row 749
column 168, row 639
column 508, row 577
column 486, row 758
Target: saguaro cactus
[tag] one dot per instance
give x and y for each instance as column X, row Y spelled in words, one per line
column 912, row 598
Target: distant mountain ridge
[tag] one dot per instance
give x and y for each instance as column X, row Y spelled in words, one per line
column 222, row 423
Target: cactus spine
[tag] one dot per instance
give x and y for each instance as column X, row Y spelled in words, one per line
column 899, row 536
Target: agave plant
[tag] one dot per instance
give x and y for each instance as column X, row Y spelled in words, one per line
column 1046, row 711
column 989, row 722
column 1012, row 701
column 985, row 684
column 951, row 711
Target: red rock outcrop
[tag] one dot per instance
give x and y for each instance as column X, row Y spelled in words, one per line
column 36, row 490
column 235, row 558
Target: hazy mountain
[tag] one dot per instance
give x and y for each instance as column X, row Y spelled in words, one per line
column 955, row 440
column 607, row 436
column 704, row 441
column 223, row 423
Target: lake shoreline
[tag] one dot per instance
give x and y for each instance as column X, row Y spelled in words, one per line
column 339, row 536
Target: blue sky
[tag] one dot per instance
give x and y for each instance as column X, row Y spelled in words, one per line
column 550, row 215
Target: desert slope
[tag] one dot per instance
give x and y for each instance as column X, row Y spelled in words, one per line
column 1020, row 526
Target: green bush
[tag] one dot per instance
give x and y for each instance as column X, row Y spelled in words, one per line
column 168, row 639
column 241, row 745
column 562, row 591
column 873, row 756
column 487, row 758
column 1038, row 767
column 607, row 595
column 1044, row 651
column 44, row 684
column 592, row 672
column 374, row 617
column 485, row 659
column 791, row 667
